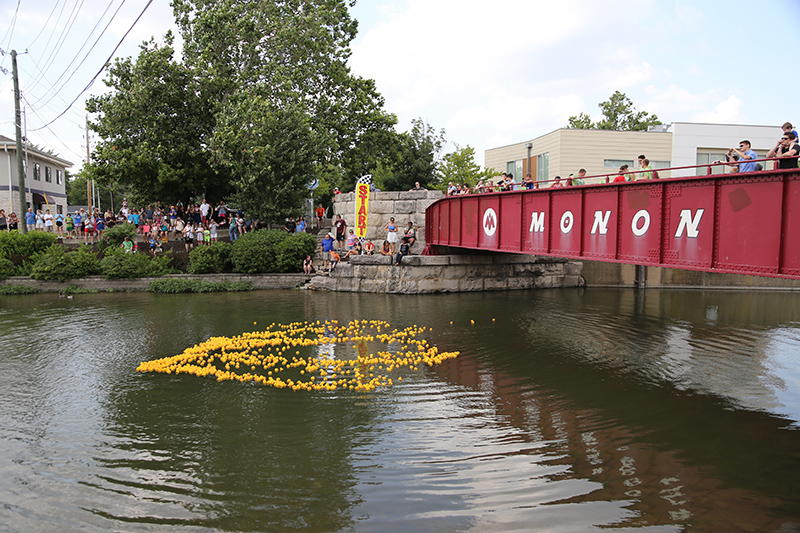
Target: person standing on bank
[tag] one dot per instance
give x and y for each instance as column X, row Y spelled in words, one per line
column 341, row 226
column 391, row 234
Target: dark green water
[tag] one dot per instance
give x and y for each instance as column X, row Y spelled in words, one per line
column 572, row 411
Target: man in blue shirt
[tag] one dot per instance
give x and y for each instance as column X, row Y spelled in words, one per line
column 745, row 155
column 327, row 248
column 30, row 219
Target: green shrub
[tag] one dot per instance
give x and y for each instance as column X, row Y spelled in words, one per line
column 212, row 259
column 56, row 264
column 72, row 288
column 118, row 233
column 14, row 244
column 255, row 252
column 178, row 285
column 16, row 288
column 271, row 251
column 293, row 250
column 7, row 268
column 118, row 264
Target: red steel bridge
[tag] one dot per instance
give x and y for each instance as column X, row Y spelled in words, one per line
column 733, row 223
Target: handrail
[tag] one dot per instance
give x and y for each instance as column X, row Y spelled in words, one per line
column 520, row 186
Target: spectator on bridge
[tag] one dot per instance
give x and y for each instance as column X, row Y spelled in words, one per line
column 743, row 154
column 417, row 187
column 579, row 180
column 451, row 189
column 786, row 151
column 644, row 164
column 621, row 177
column 557, row 182
column 787, row 127
column 528, row 182
column 480, row 188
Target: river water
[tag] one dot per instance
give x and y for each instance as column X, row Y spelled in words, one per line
column 572, row 410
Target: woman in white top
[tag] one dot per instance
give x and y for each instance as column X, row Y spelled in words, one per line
column 391, row 234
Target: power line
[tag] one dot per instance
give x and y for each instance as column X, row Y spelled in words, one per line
column 105, row 64
column 60, row 42
column 46, row 23
column 10, row 30
column 87, row 53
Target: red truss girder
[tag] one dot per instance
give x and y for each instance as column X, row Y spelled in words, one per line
column 725, row 223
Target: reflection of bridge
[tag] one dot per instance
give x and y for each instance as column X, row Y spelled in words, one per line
column 743, row 224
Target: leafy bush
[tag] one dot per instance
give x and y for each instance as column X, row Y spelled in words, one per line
column 255, row 252
column 16, row 288
column 118, row 264
column 177, row 285
column 72, row 288
column 7, row 268
column 271, row 251
column 210, row 259
column 15, row 244
column 56, row 264
column 293, row 250
column 118, row 233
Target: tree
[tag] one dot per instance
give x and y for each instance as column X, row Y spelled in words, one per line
column 417, row 159
column 154, row 130
column 295, row 52
column 459, row 166
column 272, row 154
column 619, row 114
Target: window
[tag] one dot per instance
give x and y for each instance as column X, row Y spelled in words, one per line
column 48, row 174
column 543, row 166
column 705, row 158
column 515, row 168
column 616, row 163
column 660, row 164
column 59, row 176
column 37, row 171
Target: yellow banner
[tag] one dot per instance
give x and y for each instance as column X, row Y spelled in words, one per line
column 362, row 209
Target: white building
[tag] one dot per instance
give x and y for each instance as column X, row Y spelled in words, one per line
column 565, row 151
column 45, row 182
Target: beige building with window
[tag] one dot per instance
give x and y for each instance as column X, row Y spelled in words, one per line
column 566, row 151
column 45, row 182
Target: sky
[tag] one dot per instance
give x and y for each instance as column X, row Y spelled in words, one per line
column 488, row 76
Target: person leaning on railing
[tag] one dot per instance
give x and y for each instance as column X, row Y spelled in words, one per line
column 745, row 155
column 786, row 151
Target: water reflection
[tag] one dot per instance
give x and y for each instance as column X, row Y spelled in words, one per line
column 572, row 410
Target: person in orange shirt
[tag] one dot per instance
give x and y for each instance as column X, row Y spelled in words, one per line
column 320, row 214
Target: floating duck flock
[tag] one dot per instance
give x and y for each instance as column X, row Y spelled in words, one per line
column 265, row 356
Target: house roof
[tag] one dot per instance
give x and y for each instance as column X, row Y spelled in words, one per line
column 11, row 144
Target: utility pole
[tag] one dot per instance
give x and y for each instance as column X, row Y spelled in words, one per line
column 89, row 191
column 18, row 125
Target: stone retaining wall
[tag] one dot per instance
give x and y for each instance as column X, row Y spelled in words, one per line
column 99, row 283
column 403, row 206
column 450, row 273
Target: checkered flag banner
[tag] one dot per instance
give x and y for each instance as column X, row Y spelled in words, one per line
column 362, row 206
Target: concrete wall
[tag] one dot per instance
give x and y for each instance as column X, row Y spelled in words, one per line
column 450, row 273
column 99, row 283
column 403, row 206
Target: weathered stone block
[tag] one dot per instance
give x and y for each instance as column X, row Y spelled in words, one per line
column 518, row 282
column 470, row 284
column 370, row 260
column 514, row 259
column 495, row 284
column 467, row 259
column 381, row 207
column 404, row 208
column 573, row 268
column 426, row 286
column 428, row 260
column 415, row 195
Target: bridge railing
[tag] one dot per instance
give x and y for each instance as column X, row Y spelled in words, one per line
column 738, row 222
column 636, row 175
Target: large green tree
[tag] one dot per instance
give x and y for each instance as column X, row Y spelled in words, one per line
column 295, row 52
column 154, row 129
column 618, row 114
column 459, row 166
column 271, row 152
column 416, row 159
column 159, row 125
